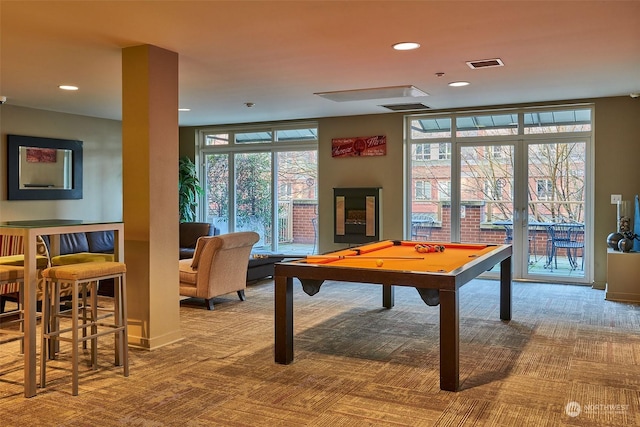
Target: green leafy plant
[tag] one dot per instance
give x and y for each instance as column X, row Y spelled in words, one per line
column 189, row 189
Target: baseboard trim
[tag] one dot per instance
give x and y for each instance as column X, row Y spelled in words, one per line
column 153, row 343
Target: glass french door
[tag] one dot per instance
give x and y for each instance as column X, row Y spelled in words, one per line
column 509, row 177
column 487, row 182
column 547, row 228
column 555, row 213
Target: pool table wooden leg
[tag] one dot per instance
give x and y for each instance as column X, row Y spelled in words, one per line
column 388, row 296
column 449, row 341
column 283, row 320
column 505, row 289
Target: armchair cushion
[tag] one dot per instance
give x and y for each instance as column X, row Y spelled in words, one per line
column 196, row 255
column 18, row 261
column 187, row 271
column 17, row 258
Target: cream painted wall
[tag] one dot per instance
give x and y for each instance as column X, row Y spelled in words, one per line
column 376, row 171
column 617, row 168
column 102, row 164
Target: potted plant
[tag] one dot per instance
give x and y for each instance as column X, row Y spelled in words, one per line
column 189, row 189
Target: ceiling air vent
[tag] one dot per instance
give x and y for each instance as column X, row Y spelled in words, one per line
column 485, row 63
column 407, row 107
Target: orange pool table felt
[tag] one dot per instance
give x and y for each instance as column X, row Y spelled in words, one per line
column 438, row 274
column 402, row 255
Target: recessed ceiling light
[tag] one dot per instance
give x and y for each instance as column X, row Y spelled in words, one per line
column 68, row 87
column 184, row 109
column 459, row 84
column 406, row 46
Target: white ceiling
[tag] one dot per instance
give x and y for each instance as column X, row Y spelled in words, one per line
column 277, row 54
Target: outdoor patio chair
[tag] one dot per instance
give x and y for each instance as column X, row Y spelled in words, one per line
column 570, row 237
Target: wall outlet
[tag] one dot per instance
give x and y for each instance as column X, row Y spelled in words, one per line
column 616, row 198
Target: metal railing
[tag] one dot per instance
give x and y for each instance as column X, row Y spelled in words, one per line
column 499, row 210
column 285, row 221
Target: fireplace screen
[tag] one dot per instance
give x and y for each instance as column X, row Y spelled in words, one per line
column 357, row 215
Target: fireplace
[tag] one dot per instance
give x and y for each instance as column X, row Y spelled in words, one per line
column 356, row 215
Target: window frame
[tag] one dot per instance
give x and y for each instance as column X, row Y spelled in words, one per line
column 274, row 146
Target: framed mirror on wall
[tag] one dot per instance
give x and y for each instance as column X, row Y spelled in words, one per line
column 43, row 168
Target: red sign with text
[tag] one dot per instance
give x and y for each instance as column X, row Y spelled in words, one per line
column 359, row 146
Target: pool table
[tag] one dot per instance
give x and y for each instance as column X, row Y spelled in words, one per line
column 436, row 275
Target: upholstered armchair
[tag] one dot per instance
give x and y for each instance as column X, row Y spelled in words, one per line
column 12, row 254
column 218, row 267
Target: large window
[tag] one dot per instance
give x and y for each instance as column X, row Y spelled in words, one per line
column 506, row 176
column 264, row 180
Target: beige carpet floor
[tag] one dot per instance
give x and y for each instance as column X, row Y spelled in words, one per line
column 568, row 357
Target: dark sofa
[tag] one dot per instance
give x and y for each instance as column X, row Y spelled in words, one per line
column 189, row 234
column 98, row 246
column 101, row 242
column 82, row 247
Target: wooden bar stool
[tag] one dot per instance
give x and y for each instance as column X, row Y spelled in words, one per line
column 85, row 314
column 12, row 281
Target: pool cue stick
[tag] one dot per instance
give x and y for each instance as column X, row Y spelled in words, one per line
column 362, row 257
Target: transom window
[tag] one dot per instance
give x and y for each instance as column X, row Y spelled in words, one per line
column 294, row 135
